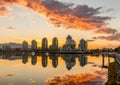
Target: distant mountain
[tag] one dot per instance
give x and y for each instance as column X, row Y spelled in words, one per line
column 12, row 45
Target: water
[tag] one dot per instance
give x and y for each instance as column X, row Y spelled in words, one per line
column 53, row 69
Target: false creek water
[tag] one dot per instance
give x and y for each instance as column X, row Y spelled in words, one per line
column 54, row 69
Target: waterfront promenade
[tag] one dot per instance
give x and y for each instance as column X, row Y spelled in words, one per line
column 117, row 67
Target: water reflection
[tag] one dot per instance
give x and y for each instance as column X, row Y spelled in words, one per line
column 69, row 59
column 66, row 62
column 24, row 59
column 44, row 60
column 54, row 58
column 82, row 59
column 33, row 60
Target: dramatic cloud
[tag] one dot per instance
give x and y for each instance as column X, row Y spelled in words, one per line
column 94, row 78
column 0, row 76
column 114, row 37
column 106, row 31
column 3, row 10
column 11, row 74
column 90, row 40
column 65, row 15
column 8, row 28
column 32, row 81
column 10, row 83
column 11, row 28
column 77, row 17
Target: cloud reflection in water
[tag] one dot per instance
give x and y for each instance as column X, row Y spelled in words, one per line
column 88, row 78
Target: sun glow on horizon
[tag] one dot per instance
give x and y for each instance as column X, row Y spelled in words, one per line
column 21, row 22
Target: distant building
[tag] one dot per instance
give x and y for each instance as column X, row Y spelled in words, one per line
column 54, row 45
column 44, row 44
column 25, row 45
column 6, row 48
column 83, row 45
column 70, row 44
column 12, row 45
column 34, row 45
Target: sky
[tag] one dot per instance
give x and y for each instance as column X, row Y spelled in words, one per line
column 96, row 21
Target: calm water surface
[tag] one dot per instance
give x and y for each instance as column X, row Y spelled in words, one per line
column 53, row 69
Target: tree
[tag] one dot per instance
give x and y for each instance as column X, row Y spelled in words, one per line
column 117, row 49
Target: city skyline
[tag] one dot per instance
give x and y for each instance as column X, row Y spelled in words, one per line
column 35, row 44
column 21, row 22
column 69, row 45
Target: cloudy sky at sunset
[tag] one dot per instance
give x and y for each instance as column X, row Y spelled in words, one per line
column 97, row 21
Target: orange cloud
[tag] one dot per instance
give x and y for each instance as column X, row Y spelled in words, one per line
column 106, row 30
column 3, row 10
column 11, row 28
column 32, row 81
column 11, row 74
column 113, row 37
column 65, row 15
column 96, row 77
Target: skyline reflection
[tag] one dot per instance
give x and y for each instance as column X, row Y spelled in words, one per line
column 69, row 59
column 33, row 67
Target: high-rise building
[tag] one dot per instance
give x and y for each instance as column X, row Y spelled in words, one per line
column 25, row 45
column 44, row 44
column 34, row 45
column 54, row 45
column 70, row 43
column 83, row 45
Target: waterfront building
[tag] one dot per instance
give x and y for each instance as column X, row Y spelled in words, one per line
column 34, row 45
column 25, row 45
column 83, row 45
column 44, row 44
column 54, row 45
column 69, row 44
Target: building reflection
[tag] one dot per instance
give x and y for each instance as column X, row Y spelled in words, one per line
column 69, row 60
column 54, row 58
column 24, row 59
column 82, row 59
column 44, row 60
column 10, row 57
column 33, row 60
